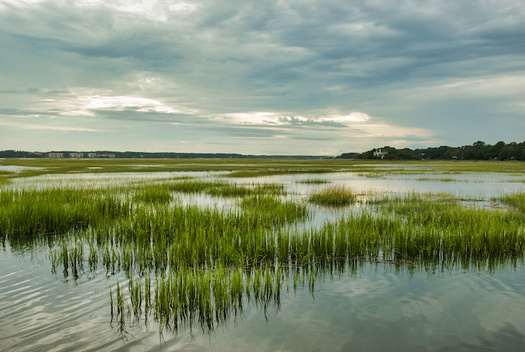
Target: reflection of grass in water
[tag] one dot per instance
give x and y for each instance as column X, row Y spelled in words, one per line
column 336, row 196
column 207, row 263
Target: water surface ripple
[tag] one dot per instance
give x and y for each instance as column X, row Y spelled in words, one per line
column 377, row 307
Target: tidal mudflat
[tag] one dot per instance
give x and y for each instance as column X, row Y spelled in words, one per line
column 262, row 255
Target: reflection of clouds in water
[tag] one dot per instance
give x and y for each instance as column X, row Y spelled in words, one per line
column 380, row 309
column 375, row 308
column 350, row 287
column 499, row 303
column 474, row 185
column 203, row 200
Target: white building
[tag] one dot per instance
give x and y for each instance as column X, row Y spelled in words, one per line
column 380, row 153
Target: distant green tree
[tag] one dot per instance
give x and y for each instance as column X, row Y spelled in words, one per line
column 477, row 151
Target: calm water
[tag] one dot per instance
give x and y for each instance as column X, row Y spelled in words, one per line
column 377, row 307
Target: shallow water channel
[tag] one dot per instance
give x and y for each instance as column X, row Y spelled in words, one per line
column 369, row 307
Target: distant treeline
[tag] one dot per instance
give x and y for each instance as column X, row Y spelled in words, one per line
column 150, row 155
column 477, row 151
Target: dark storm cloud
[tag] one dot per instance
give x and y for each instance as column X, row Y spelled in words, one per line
column 292, row 58
column 245, row 40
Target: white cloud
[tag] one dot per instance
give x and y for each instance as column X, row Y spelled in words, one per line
column 18, row 3
column 355, row 125
column 86, row 103
column 318, row 73
column 272, row 118
column 255, row 118
column 156, row 10
column 352, row 117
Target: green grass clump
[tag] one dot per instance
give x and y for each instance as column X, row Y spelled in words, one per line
column 273, row 210
column 337, row 196
column 5, row 177
column 152, row 194
column 516, row 200
column 275, row 189
column 34, row 212
column 4, row 181
column 443, row 179
column 446, row 232
column 314, row 181
column 227, row 189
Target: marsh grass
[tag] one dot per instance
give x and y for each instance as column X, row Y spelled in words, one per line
column 209, row 264
column 4, row 181
column 36, row 212
column 5, row 177
column 274, row 172
column 253, row 167
column 273, row 210
column 336, row 196
column 516, row 200
column 258, row 167
column 194, row 266
column 314, row 181
column 442, row 179
column 151, row 194
column 226, row 189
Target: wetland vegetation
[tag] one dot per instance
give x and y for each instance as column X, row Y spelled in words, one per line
column 189, row 266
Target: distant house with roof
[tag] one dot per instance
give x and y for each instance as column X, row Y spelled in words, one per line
column 55, row 155
column 380, row 153
column 76, row 155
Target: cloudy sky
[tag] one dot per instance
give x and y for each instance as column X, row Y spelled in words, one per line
column 260, row 77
